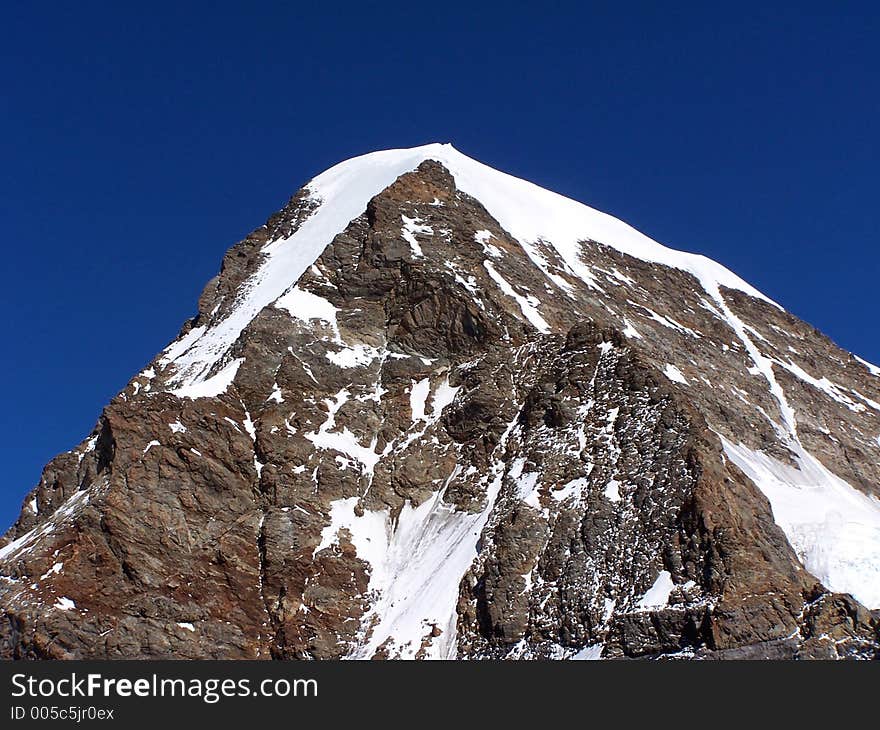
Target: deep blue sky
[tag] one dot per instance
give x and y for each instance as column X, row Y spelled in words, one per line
column 140, row 142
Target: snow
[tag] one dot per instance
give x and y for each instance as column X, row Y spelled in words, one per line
column 177, row 427
column 276, row 396
column 252, row 432
column 630, row 331
column 418, row 396
column 417, row 573
column 623, row 278
column 342, row 193
column 763, row 365
column 72, row 505
column 186, row 625
column 657, row 596
column 674, row 374
column 543, row 223
column 833, row 528
column 249, row 426
column 416, row 561
column 667, row 322
column 305, row 306
column 443, row 396
column 608, row 612
column 752, row 331
column 353, row 356
column 151, row 445
column 539, row 260
column 574, row 488
column 368, row 532
column 588, row 653
column 532, row 215
column 872, row 403
column 833, row 390
column 612, row 491
column 176, row 349
column 345, row 442
column 469, row 282
column 213, row 386
column 56, row 568
column 527, row 488
column 873, row 369
column 90, row 446
column 411, row 227
column 482, row 237
column 64, row 604
column 528, row 305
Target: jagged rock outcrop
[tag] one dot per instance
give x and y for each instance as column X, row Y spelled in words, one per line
column 404, row 424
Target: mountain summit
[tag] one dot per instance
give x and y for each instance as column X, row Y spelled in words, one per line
column 430, row 410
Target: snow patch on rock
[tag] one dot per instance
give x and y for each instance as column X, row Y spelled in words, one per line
column 64, row 604
column 528, row 305
column 657, row 596
column 833, row 528
column 411, row 227
column 213, row 386
column 630, row 331
column 674, row 374
column 305, row 306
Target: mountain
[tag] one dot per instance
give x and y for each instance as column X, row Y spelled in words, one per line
column 429, row 410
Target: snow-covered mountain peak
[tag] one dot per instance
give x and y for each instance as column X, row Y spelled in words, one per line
column 529, row 213
column 432, row 410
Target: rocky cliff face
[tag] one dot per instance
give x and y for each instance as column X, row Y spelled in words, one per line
column 431, row 411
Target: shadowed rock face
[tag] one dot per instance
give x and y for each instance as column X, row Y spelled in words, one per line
column 431, row 448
